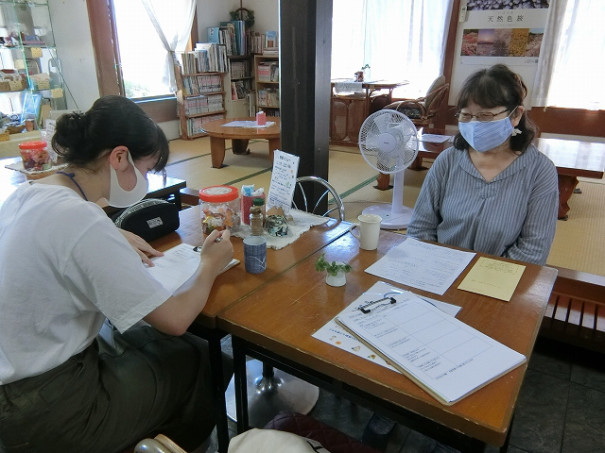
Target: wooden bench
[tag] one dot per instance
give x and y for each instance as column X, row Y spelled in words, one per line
column 576, row 310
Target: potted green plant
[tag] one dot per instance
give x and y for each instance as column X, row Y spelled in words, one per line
column 335, row 271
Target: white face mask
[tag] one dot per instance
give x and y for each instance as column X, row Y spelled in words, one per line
column 120, row 198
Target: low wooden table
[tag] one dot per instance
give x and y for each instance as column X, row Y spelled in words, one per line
column 275, row 324
column 240, row 136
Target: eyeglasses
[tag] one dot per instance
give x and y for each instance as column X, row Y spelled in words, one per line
column 483, row 117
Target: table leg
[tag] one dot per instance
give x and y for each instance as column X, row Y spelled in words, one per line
column 383, row 181
column 217, row 149
column 213, row 337
column 567, row 184
column 240, row 146
column 274, row 143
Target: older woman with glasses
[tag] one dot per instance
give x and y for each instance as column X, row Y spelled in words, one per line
column 493, row 191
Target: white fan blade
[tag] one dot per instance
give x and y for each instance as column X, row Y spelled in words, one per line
column 383, row 121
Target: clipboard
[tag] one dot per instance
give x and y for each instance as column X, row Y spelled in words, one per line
column 446, row 357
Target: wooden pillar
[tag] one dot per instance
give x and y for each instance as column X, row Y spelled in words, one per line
column 305, row 65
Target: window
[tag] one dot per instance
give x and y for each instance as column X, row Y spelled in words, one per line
column 132, row 58
column 572, row 67
column 142, row 54
column 398, row 39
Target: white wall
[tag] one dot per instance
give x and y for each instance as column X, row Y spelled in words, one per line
column 71, row 28
column 211, row 12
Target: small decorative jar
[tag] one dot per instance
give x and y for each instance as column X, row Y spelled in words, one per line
column 220, row 208
column 35, row 155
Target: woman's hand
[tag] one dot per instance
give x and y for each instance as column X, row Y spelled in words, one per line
column 141, row 246
column 217, row 250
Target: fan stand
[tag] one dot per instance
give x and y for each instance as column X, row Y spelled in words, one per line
column 395, row 216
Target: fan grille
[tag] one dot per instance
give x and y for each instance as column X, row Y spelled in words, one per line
column 388, row 141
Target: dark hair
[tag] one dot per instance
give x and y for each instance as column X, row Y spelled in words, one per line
column 81, row 138
column 494, row 87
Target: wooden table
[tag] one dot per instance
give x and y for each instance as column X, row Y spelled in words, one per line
column 572, row 158
column 348, row 111
column 240, row 136
column 235, row 284
column 275, row 324
column 160, row 186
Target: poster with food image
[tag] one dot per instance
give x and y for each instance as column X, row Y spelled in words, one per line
column 512, row 36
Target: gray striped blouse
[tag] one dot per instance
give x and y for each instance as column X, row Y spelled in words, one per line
column 513, row 216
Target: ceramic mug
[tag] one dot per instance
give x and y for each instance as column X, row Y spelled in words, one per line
column 369, row 231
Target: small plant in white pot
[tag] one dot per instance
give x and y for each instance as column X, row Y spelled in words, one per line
column 335, row 271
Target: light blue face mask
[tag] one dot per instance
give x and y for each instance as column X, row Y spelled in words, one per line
column 484, row 136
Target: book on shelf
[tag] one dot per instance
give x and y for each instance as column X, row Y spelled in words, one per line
column 271, row 40
column 195, row 126
column 268, row 71
column 202, row 84
column 239, row 89
column 237, row 35
column 206, row 57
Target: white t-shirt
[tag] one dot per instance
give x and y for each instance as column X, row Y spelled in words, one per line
column 64, row 267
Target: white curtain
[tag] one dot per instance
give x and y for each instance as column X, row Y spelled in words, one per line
column 572, row 67
column 399, row 39
column 172, row 20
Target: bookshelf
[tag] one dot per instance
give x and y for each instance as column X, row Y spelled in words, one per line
column 266, row 73
column 239, row 85
column 200, row 82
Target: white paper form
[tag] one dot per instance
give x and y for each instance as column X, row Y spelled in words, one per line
column 424, row 266
column 177, row 265
column 334, row 334
column 445, row 356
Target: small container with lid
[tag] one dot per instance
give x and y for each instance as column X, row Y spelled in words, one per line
column 261, row 118
column 35, row 155
column 257, row 218
column 220, row 208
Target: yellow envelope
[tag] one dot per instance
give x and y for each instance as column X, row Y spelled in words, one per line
column 493, row 278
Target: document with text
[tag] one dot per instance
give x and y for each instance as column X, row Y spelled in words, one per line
column 421, row 265
column 446, row 357
column 177, row 265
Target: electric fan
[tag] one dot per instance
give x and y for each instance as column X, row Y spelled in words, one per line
column 388, row 142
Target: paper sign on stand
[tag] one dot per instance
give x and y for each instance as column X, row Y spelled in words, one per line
column 283, row 180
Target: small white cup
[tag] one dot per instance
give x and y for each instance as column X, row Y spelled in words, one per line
column 369, row 231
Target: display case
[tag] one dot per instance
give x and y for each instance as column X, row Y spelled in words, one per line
column 30, row 73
